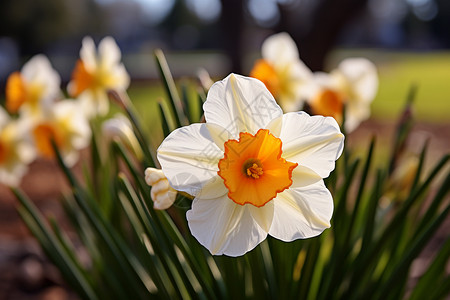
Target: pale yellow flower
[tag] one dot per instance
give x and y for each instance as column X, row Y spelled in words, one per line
column 163, row 195
column 65, row 124
column 282, row 71
column 34, row 88
column 16, row 150
column 353, row 84
column 252, row 170
column 97, row 72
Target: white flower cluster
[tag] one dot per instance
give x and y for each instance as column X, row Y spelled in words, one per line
column 353, row 84
column 39, row 115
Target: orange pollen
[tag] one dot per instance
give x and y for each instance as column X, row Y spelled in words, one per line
column 253, row 170
column 328, row 103
column 265, row 72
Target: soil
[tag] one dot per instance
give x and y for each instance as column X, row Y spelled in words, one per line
column 25, row 272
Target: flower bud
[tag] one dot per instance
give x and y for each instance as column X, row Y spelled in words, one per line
column 163, row 195
column 120, row 127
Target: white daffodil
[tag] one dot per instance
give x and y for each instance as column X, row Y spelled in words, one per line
column 252, row 170
column 96, row 73
column 35, row 87
column 120, row 127
column 282, row 71
column 16, row 150
column 163, row 195
column 67, row 126
column 353, row 84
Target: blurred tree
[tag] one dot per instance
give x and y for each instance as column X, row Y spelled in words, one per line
column 314, row 25
column 326, row 21
column 232, row 22
column 441, row 23
column 34, row 24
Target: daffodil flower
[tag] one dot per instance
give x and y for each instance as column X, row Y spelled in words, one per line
column 96, row 73
column 282, row 71
column 16, row 150
column 67, row 126
column 34, row 88
column 252, row 170
column 163, row 195
column 353, row 84
column 120, row 127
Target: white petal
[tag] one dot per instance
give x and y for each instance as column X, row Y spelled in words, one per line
column 303, row 176
column 13, row 174
column 279, row 49
column 109, row 53
column 189, row 158
column 355, row 114
column 314, row 142
column 38, row 71
column 262, row 215
column 94, row 102
column 295, row 77
column 362, row 75
column 240, row 104
column 121, row 77
column 219, row 135
column 88, row 53
column 101, row 102
column 69, row 113
column 214, row 188
column 224, row 227
column 4, row 117
column 275, row 126
column 301, row 213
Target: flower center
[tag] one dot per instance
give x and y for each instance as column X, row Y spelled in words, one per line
column 83, row 79
column 265, row 72
column 16, row 92
column 328, row 103
column 253, row 170
column 43, row 135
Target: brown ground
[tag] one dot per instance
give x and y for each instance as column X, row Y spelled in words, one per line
column 26, row 274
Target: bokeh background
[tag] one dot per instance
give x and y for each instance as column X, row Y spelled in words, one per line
column 408, row 40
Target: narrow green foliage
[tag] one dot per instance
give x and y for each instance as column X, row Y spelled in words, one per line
column 137, row 252
column 403, row 128
column 164, row 119
column 172, row 93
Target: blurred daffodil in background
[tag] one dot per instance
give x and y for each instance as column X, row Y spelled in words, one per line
column 16, row 149
column 95, row 73
column 354, row 84
column 119, row 127
column 35, row 87
column 262, row 173
column 66, row 125
column 282, row 71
